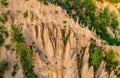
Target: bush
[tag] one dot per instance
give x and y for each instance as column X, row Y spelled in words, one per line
column 109, row 56
column 53, row 1
column 16, row 34
column 96, row 55
column 24, row 52
column 114, row 23
column 45, row 2
column 26, row 60
column 3, row 33
column 111, row 63
column 64, row 36
column 3, row 2
column 96, row 58
column 3, row 67
column 15, row 68
column 25, row 14
column 25, row 57
column 1, row 39
column 3, row 16
column 110, row 39
column 7, row 47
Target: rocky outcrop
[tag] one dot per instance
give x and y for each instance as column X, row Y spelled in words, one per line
column 42, row 30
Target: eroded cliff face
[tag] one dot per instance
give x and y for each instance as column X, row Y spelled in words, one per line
column 44, row 31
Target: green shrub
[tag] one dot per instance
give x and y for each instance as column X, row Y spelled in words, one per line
column 1, row 39
column 114, row 23
column 107, row 18
column 96, row 58
column 15, row 68
column 64, row 36
column 25, row 14
column 117, row 72
column 16, row 34
column 7, row 47
column 64, row 22
column 110, row 39
column 3, row 67
column 96, row 55
column 24, row 53
column 3, row 31
column 25, row 56
column 3, row 17
column 45, row 2
column 111, row 63
column 26, row 60
column 3, row 2
column 109, row 56
column 53, row 1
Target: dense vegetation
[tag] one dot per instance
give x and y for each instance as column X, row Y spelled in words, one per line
column 110, row 60
column 97, row 54
column 89, row 16
column 24, row 52
column 3, row 67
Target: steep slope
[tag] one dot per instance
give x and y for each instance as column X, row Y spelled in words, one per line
column 55, row 39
